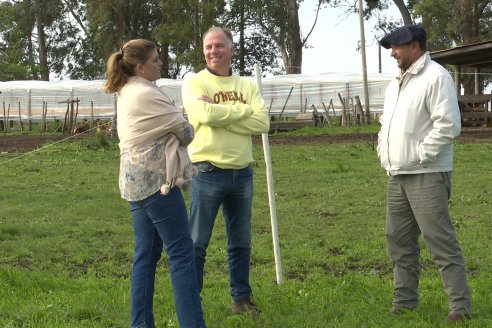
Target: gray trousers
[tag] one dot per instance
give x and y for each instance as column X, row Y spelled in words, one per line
column 419, row 203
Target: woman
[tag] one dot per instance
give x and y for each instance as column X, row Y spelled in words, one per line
column 153, row 138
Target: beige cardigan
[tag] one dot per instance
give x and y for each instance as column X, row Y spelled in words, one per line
column 145, row 113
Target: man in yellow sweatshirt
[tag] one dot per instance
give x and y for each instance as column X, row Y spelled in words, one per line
column 225, row 110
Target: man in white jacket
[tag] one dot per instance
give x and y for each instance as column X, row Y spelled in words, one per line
column 420, row 120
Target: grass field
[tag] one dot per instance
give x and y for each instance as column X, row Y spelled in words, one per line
column 66, row 242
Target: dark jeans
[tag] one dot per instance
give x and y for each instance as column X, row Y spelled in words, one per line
column 233, row 190
column 159, row 220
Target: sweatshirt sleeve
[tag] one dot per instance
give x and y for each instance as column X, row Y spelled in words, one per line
column 214, row 115
column 256, row 123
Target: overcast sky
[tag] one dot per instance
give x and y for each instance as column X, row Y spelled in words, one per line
column 335, row 39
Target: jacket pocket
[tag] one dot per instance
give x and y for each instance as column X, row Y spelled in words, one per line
column 404, row 155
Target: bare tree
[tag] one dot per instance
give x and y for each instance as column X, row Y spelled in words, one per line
column 280, row 20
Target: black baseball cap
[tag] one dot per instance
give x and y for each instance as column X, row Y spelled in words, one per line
column 404, row 35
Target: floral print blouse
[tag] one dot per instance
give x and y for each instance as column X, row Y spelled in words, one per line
column 143, row 169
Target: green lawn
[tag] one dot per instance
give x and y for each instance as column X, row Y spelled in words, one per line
column 66, row 242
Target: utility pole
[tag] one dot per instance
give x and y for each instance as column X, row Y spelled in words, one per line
column 379, row 58
column 364, row 65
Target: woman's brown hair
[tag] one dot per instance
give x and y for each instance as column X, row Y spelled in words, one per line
column 121, row 64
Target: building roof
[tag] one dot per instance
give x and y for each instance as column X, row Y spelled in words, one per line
column 473, row 54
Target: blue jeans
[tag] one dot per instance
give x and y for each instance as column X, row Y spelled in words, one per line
column 233, row 189
column 159, row 220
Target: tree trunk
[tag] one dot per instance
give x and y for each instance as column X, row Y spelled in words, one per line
column 241, row 53
column 32, row 62
column 405, row 14
column 164, row 53
column 294, row 42
column 198, row 35
column 43, row 53
column 468, row 18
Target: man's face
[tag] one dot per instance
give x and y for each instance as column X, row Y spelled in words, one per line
column 218, row 52
column 405, row 54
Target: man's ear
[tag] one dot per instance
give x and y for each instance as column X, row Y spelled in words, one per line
column 415, row 45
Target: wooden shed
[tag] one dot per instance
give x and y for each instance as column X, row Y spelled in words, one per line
column 475, row 108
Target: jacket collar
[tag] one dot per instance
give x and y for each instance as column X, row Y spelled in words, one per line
column 417, row 66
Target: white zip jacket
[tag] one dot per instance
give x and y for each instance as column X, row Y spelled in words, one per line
column 420, row 119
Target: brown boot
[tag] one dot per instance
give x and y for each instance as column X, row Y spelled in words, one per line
column 399, row 310
column 454, row 316
column 244, row 306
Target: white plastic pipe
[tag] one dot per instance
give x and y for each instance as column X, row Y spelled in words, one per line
column 271, row 193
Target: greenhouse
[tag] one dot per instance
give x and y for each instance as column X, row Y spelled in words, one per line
column 286, row 94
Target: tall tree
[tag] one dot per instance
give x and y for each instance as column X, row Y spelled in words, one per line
column 447, row 23
column 455, row 23
column 39, row 31
column 16, row 50
column 85, row 61
column 182, row 28
column 176, row 32
column 280, row 20
column 113, row 22
column 374, row 7
column 252, row 46
column 260, row 50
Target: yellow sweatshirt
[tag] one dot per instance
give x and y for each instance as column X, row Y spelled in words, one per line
column 223, row 129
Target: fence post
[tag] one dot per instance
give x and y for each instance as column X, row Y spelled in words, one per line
column 29, row 110
column 20, row 119
column 344, row 111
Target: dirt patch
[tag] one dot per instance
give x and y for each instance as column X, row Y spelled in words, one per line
column 468, row 135
column 10, row 144
column 278, row 139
